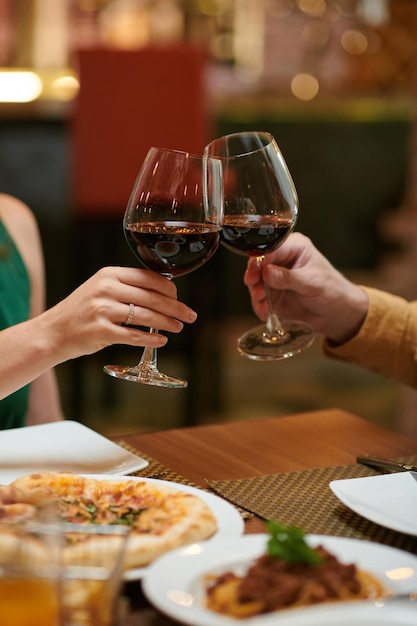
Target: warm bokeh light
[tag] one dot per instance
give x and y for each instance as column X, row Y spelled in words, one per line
column 353, row 47
column 315, row 8
column 20, row 86
column 65, row 87
column 354, row 42
column 375, row 12
column 23, row 85
column 305, row 86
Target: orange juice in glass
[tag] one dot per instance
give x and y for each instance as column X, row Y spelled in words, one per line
column 30, row 570
column 28, row 601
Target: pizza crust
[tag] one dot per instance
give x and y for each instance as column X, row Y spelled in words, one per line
column 187, row 519
column 36, row 488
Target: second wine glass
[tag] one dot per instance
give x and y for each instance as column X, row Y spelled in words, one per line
column 172, row 225
column 260, row 211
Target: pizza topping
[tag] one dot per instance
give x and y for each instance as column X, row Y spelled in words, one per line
column 83, row 511
column 128, row 516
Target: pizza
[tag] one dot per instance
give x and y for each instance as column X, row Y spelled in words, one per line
column 159, row 517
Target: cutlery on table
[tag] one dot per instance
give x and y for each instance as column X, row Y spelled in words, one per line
column 389, row 464
column 156, row 475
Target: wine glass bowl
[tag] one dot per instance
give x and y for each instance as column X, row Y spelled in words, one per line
column 260, row 211
column 172, row 225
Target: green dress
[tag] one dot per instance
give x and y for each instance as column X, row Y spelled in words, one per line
column 14, row 308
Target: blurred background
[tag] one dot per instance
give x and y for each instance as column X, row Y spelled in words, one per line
column 87, row 86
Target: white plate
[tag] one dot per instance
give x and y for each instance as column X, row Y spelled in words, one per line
column 67, row 446
column 389, row 499
column 229, row 521
column 174, row 585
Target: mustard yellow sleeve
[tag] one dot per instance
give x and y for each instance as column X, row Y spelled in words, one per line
column 387, row 340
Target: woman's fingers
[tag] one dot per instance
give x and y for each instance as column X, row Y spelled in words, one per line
column 142, row 316
column 150, row 293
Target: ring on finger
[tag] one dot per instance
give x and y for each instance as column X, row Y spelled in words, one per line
column 130, row 315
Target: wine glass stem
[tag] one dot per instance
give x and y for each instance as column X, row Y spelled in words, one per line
column 149, row 355
column 273, row 323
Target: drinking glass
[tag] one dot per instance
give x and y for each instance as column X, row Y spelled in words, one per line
column 30, row 574
column 260, row 211
column 92, row 573
column 172, row 225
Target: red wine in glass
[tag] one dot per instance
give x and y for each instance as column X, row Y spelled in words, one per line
column 254, row 235
column 172, row 248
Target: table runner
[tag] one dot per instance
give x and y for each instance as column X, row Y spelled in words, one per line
column 301, row 498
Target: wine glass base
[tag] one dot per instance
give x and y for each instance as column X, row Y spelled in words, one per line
column 145, row 375
column 255, row 344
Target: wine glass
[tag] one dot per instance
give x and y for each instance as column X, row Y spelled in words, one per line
column 260, row 210
column 172, row 224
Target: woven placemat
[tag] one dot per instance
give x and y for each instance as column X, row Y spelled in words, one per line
column 301, row 498
column 304, row 499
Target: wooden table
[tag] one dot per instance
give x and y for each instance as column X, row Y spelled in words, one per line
column 256, row 447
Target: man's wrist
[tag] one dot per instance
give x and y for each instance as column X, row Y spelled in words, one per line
column 351, row 320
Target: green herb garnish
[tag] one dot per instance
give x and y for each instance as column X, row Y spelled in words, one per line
column 288, row 543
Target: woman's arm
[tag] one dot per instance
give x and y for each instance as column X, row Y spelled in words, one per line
column 89, row 319
column 44, row 399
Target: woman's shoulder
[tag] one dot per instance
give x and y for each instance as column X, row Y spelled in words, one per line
column 15, row 214
column 22, row 226
column 20, row 221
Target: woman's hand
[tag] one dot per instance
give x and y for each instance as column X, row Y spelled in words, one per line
column 94, row 315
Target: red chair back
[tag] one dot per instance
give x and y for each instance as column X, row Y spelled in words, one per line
column 129, row 101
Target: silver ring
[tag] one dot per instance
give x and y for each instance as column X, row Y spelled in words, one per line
column 130, row 314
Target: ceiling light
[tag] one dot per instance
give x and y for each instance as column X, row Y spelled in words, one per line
column 21, row 86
